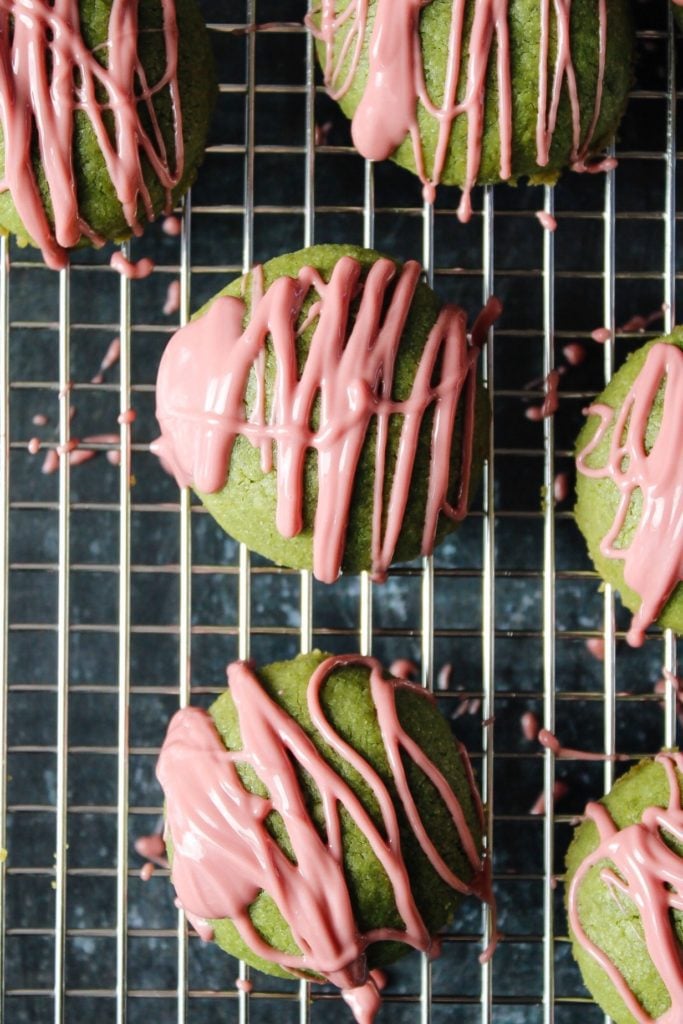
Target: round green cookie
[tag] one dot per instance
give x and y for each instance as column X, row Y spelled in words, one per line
column 614, row 924
column 598, row 498
column 525, row 40
column 348, row 706
column 246, row 506
column 678, row 15
column 98, row 202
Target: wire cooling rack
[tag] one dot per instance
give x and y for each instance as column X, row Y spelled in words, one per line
column 122, row 599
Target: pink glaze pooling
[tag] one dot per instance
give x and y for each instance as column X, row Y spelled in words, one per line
column 47, row 73
column 396, row 90
column 653, row 560
column 203, row 378
column 224, row 856
column 643, row 869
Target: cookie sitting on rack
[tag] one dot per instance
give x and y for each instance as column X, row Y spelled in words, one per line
column 625, row 895
column 478, row 92
column 104, row 113
column 326, row 409
column 309, row 831
column 630, row 485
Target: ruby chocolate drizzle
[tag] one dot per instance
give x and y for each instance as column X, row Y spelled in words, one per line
column 224, row 855
column 653, row 559
column 642, row 867
column 201, row 403
column 47, row 74
column 396, row 87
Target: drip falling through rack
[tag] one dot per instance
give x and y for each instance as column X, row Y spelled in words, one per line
column 122, row 599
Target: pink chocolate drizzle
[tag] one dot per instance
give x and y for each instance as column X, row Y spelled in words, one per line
column 350, row 367
column 653, row 560
column 47, row 73
column 224, row 855
column 396, row 87
column 642, row 868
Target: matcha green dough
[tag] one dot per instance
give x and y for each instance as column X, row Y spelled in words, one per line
column 598, row 498
column 614, row 924
column 98, row 203
column 246, row 506
column 525, row 42
column 348, row 706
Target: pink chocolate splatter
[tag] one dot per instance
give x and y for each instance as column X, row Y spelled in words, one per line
column 546, row 220
column 135, row 271
column 111, row 358
column 172, row 303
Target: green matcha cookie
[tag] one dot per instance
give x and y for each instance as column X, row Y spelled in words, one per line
column 492, row 131
column 290, row 815
column 647, row 544
column 623, row 895
column 113, row 49
column 370, row 384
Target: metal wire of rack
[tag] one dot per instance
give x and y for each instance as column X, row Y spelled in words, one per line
column 122, row 600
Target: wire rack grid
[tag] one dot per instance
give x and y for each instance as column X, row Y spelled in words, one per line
column 122, row 600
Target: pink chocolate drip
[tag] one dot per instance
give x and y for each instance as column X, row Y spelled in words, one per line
column 224, row 855
column 653, row 561
column 172, row 303
column 574, row 353
column 546, row 220
column 550, row 741
column 110, row 358
column 172, row 226
column 134, row 271
column 47, row 73
column 561, row 487
column 396, row 89
column 595, row 645
column 560, row 790
column 551, row 402
column 530, row 726
column 350, row 367
column 404, row 668
column 646, row 871
column 152, row 847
